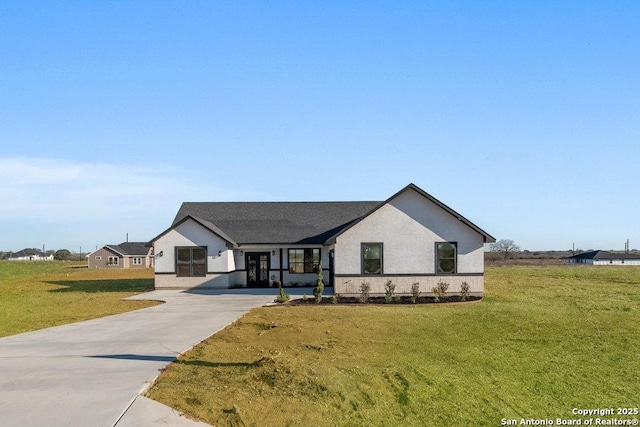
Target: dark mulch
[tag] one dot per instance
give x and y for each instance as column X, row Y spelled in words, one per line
column 381, row 300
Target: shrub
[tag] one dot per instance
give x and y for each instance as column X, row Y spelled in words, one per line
column 443, row 286
column 439, row 290
column 464, row 291
column 283, row 297
column 317, row 291
column 365, row 287
column 389, row 290
column 436, row 293
column 334, row 298
column 415, row 292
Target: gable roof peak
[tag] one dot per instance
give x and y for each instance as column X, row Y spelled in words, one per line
column 411, row 186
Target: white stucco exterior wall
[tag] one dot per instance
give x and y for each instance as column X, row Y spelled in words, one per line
column 190, row 233
column 409, row 227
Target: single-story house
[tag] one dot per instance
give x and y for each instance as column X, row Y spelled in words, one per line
column 410, row 237
column 605, row 258
column 124, row 255
column 30, row 254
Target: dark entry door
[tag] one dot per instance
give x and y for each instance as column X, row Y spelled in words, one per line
column 257, row 269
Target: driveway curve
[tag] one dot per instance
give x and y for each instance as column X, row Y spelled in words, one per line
column 91, row 373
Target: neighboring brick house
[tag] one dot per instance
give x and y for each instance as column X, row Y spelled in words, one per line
column 411, row 237
column 124, row 255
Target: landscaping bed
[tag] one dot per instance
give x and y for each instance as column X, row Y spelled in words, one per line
column 383, row 300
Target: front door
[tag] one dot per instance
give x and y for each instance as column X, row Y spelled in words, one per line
column 257, row 269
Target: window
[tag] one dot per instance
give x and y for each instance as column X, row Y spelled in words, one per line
column 98, row 258
column 372, row 258
column 137, row 261
column 304, row 260
column 445, row 258
column 113, row 260
column 191, row 262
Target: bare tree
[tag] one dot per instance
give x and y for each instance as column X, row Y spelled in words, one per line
column 505, row 247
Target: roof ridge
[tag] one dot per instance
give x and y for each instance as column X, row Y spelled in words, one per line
column 292, row 202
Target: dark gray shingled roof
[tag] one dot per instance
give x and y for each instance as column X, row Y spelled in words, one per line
column 27, row 252
column 605, row 255
column 243, row 223
column 276, row 222
column 130, row 248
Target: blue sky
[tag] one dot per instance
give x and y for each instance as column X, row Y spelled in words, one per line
column 522, row 116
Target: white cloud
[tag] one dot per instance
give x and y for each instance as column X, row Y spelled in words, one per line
column 97, row 200
column 51, row 189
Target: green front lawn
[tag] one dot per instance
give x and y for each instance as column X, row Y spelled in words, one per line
column 36, row 295
column 544, row 340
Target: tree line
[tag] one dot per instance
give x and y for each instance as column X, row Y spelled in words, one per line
column 59, row 255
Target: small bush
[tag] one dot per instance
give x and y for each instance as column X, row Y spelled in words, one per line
column 443, row 286
column 464, row 291
column 436, row 293
column 365, row 288
column 317, row 291
column 389, row 290
column 415, row 292
column 439, row 290
column 334, row 298
column 283, row 297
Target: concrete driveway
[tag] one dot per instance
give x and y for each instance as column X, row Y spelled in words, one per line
column 91, row 373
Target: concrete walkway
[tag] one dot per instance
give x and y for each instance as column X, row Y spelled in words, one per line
column 91, row 373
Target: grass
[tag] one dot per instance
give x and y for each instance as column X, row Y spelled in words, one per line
column 543, row 341
column 36, row 295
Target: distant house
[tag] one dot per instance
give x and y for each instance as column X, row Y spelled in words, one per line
column 410, row 237
column 30, row 255
column 124, row 255
column 605, row 258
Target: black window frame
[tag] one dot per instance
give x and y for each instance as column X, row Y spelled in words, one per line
column 308, row 263
column 364, row 259
column 440, row 259
column 113, row 260
column 194, row 268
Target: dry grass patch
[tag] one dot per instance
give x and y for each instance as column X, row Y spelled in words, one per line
column 36, row 295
